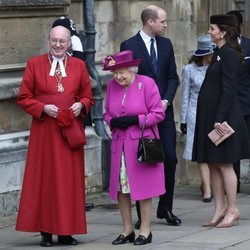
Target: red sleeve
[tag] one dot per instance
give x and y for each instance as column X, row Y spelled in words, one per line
column 25, row 96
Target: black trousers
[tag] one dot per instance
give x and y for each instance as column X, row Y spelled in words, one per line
column 167, row 131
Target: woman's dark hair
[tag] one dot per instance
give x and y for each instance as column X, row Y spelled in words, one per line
column 237, row 14
column 232, row 38
column 196, row 59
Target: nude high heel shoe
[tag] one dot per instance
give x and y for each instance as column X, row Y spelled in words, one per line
column 216, row 222
column 234, row 218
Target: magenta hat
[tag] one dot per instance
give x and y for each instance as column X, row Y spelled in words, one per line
column 120, row 60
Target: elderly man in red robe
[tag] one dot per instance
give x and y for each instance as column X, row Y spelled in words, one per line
column 56, row 92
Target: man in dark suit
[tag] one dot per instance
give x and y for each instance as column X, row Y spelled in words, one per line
column 159, row 63
column 244, row 82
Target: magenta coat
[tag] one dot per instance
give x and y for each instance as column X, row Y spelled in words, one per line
column 141, row 98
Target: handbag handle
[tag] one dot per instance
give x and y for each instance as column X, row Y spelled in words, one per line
column 143, row 127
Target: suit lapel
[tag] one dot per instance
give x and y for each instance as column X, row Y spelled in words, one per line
column 245, row 47
column 143, row 47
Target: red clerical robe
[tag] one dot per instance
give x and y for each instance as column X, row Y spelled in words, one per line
column 53, row 197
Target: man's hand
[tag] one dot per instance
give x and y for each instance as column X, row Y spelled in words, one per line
column 164, row 104
column 76, row 108
column 50, row 110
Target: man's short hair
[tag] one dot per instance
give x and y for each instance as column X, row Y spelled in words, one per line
column 149, row 13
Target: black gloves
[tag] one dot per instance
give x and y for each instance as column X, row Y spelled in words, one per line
column 183, row 128
column 116, row 123
column 124, row 122
column 130, row 120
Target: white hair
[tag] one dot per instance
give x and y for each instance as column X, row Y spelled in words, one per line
column 68, row 34
column 133, row 69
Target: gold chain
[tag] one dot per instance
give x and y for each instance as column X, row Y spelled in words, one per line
column 58, row 74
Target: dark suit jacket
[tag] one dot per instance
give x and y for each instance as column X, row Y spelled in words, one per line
column 244, row 81
column 166, row 77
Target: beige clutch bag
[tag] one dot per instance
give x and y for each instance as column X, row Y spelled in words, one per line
column 216, row 138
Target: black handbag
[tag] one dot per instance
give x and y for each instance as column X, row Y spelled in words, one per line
column 150, row 149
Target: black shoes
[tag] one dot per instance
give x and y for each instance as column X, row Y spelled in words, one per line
column 170, row 217
column 89, row 206
column 209, row 199
column 121, row 239
column 46, row 240
column 205, row 199
column 67, row 240
column 142, row 240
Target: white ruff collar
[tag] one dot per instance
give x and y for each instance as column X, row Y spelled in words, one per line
column 54, row 64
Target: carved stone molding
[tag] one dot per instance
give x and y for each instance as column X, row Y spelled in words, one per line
column 10, row 79
column 23, row 8
column 18, row 140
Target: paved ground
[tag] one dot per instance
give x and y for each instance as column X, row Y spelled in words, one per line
column 104, row 224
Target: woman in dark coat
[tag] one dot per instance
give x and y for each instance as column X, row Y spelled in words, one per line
column 217, row 102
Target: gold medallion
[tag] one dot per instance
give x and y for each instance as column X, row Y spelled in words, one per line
column 60, row 87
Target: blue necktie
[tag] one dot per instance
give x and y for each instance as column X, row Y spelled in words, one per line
column 153, row 55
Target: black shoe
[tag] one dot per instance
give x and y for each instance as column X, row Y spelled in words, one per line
column 142, row 240
column 209, row 199
column 121, row 239
column 46, row 240
column 170, row 217
column 138, row 224
column 67, row 240
column 89, row 206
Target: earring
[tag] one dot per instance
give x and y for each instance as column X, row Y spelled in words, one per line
column 221, row 37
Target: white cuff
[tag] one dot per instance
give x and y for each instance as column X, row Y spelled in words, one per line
column 166, row 101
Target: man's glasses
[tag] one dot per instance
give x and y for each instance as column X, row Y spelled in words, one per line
column 54, row 41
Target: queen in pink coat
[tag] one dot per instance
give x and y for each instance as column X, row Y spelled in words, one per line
column 131, row 97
